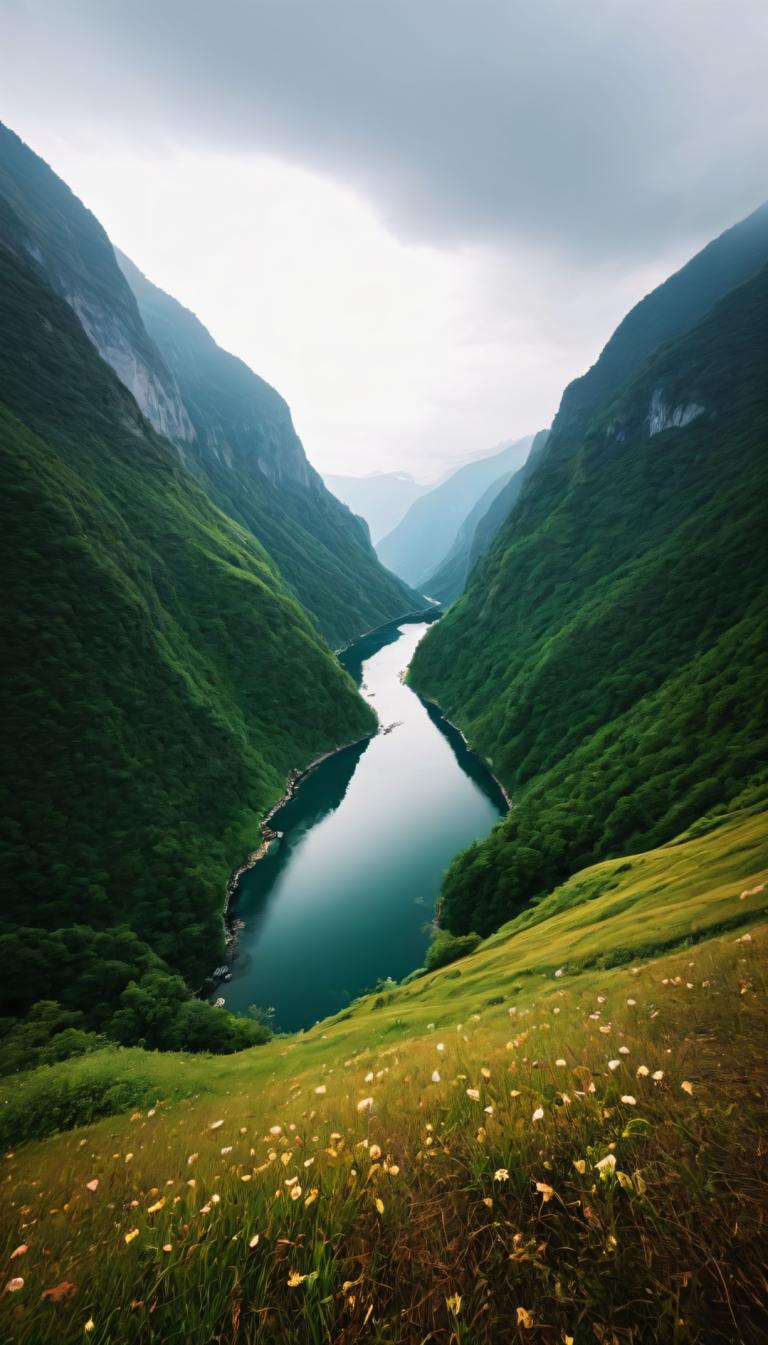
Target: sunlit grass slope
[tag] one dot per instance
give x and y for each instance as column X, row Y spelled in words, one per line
column 560, row 1137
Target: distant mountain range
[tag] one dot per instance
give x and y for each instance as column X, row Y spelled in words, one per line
column 423, row 539
column 381, row 498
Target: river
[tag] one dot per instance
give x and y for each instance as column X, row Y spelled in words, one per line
column 346, row 896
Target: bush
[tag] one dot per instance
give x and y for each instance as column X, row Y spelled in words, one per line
column 446, row 947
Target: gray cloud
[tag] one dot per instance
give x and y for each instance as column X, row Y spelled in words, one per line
column 590, row 128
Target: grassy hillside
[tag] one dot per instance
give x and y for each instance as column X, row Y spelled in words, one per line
column 249, row 458
column 607, row 655
column 556, row 1139
column 160, row 682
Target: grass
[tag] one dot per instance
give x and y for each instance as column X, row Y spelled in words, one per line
column 422, row 1216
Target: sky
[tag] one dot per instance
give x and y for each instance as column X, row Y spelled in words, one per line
column 418, row 219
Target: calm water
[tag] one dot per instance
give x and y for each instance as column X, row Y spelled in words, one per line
column 347, row 894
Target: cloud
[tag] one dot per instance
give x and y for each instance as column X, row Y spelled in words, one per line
column 588, row 128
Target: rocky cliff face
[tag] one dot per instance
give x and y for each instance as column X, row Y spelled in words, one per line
column 43, row 220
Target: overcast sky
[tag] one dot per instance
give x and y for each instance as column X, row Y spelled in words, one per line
column 417, row 218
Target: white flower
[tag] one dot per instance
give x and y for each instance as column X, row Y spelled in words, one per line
column 474, row 1094
column 501, row 1175
column 643, row 1071
column 628, row 1100
column 561, row 1063
column 538, row 1115
column 606, row 1164
column 614, row 1064
column 435, row 1076
column 365, row 1104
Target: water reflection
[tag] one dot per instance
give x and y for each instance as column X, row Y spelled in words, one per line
column 346, row 896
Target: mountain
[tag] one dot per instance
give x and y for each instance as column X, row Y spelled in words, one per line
column 423, row 538
column 381, row 498
column 671, row 309
column 479, row 529
column 161, row 679
column 607, row 654
column 250, row 460
column 40, row 214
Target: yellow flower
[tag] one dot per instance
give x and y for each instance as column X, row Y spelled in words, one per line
column 89, row 1325
column 580, row 1165
column 167, row 1247
column 295, row 1279
column 311, row 1198
column 134, row 1233
column 158, row 1205
column 687, row 1087
column 453, row 1304
column 545, row 1191
column 524, row 1318
column 486, row 1073
column 501, row 1175
column 379, row 1204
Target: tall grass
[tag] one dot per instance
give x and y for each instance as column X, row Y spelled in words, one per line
column 520, row 1195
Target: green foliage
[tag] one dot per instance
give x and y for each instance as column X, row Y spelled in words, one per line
column 160, row 681
column 608, row 654
column 446, row 947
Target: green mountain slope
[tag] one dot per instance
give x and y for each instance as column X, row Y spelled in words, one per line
column 608, row 653
column 480, row 527
column 160, row 682
column 249, row 458
column 559, row 1138
column 424, row 536
column 669, row 311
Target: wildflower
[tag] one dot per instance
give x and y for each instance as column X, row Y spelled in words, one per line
column 524, row 1318
column 167, row 1247
column 13, row 1286
column 687, row 1087
column 632, row 1003
column 546, row 1192
column 440, row 1046
column 311, row 1198
column 379, row 1205
column 436, row 1076
column 604, row 1028
column 321, row 1089
column 128, row 1157
column 133, row 1233
column 92, row 1185
column 275, row 1130
column 215, row 1125
column 295, row 1192
column 486, row 1073
column 489, row 1109
column 295, row 1279
column 215, row 1199
column 375, row 1151
column 191, row 1159
column 614, row 1064
column 89, row 1325
column 227, row 1149
column 628, row 1100
column 501, row 1175
column 606, row 1164
column 601, row 999
column 474, row 1094
column 538, row 1115
column 580, row 1165
column 158, row 1205
column 453, row 1304
column 561, row 1063
column 658, row 1075
column 643, row 1071
column 623, row 1050
column 365, row 1104
column 254, row 1241
column 559, row 973
column 19, row 1251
